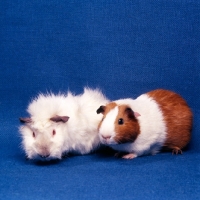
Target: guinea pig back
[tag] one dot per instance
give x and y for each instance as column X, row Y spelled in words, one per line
column 177, row 117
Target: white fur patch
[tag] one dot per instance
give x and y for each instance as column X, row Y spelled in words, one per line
column 107, row 129
column 152, row 126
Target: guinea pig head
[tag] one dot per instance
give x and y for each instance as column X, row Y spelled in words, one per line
column 43, row 139
column 119, row 124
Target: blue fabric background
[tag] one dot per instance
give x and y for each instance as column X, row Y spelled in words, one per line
column 124, row 47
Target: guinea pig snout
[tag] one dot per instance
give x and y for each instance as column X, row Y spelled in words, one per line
column 44, row 156
column 105, row 139
column 43, row 151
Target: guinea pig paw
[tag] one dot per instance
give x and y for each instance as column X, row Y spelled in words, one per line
column 65, row 155
column 119, row 155
column 129, row 156
column 176, row 150
column 27, row 158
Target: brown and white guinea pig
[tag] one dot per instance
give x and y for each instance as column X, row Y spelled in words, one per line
column 155, row 120
column 60, row 124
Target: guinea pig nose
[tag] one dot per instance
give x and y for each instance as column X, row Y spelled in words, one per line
column 106, row 137
column 44, row 156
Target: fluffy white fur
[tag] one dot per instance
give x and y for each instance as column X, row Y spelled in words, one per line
column 78, row 135
column 152, row 127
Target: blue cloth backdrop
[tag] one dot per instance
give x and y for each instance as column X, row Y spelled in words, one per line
column 124, row 47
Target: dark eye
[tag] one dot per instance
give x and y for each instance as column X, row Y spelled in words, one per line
column 33, row 134
column 54, row 132
column 120, row 121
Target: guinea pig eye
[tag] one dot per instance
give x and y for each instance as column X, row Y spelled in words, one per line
column 120, row 121
column 33, row 134
column 54, row 132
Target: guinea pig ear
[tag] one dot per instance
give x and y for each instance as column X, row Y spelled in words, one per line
column 25, row 119
column 59, row 118
column 137, row 114
column 131, row 113
column 101, row 109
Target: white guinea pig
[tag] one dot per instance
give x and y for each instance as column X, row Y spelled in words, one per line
column 60, row 124
column 155, row 120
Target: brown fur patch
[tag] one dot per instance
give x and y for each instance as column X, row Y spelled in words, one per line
column 178, row 118
column 129, row 130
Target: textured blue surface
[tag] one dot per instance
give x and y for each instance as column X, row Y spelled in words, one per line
column 124, row 47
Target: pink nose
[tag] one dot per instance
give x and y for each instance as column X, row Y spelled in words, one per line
column 106, row 137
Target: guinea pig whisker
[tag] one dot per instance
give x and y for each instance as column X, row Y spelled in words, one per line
column 124, row 140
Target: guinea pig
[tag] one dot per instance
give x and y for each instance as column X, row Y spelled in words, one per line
column 159, row 119
column 60, row 124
